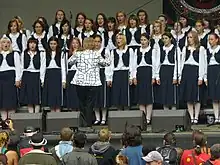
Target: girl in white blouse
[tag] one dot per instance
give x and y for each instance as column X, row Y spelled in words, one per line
column 18, row 39
column 10, row 76
column 193, row 67
column 32, row 62
column 212, row 79
column 54, row 76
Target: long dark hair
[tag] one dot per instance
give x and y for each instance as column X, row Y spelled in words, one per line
column 62, row 24
column 104, row 18
column 146, row 15
column 46, row 26
column 40, row 22
column 55, row 21
column 58, row 49
column 76, row 19
column 30, row 41
column 10, row 24
column 200, row 142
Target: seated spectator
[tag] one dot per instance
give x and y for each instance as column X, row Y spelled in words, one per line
column 3, row 159
column 215, row 155
column 199, row 154
column 37, row 156
column 79, row 156
column 154, row 158
column 102, row 150
column 121, row 160
column 147, row 149
column 24, row 146
column 170, row 153
column 133, row 151
column 65, row 145
column 12, row 156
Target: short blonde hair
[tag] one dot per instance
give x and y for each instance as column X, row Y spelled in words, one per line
column 88, row 43
column 4, row 38
column 104, row 135
column 123, row 39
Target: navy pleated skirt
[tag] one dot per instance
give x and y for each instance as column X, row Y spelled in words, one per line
column 52, row 94
column 30, row 88
column 120, row 88
column 214, row 82
column 103, row 95
column 8, row 90
column 144, row 85
column 71, row 99
column 189, row 89
column 166, row 88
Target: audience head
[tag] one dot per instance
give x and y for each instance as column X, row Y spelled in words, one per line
column 121, row 160
column 169, row 139
column 29, row 131
column 66, row 134
column 153, row 158
column 104, row 135
column 4, row 139
column 133, row 136
column 38, row 141
column 199, row 141
column 215, row 152
column 147, row 149
column 79, row 139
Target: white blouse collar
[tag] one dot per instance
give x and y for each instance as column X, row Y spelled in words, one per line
column 168, row 48
column 145, row 49
column 5, row 52
column 213, row 51
column 41, row 36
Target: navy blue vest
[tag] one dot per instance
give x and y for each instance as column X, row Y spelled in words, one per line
column 19, row 41
column 216, row 56
column 57, row 59
column 55, row 30
column 125, row 58
column 195, row 55
column 204, row 41
column 76, row 32
column 106, row 38
column 171, row 55
column 9, row 58
column 137, row 35
column 61, row 41
column 103, row 53
column 147, row 56
column 43, row 41
column 181, row 43
column 152, row 43
column 36, row 60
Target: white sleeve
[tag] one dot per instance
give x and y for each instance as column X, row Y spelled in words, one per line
column 110, row 69
column 28, row 34
column 131, row 63
column 73, row 59
column 63, row 67
column 182, row 61
column 177, row 64
column 42, row 66
column 24, row 42
column 154, row 64
column 158, row 64
column 104, row 61
column 202, row 63
column 17, row 62
column 50, row 32
column 134, row 74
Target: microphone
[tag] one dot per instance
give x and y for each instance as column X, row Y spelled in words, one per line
column 71, row 15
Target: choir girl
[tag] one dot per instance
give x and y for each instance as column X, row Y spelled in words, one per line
column 203, row 36
column 186, row 27
column 119, row 76
column 213, row 74
column 112, row 31
column 146, row 27
column 133, row 32
column 23, row 30
column 10, row 76
column 87, row 77
column 40, row 34
column 32, row 65
column 144, row 75
column 191, row 78
column 164, row 20
column 101, row 25
column 54, row 76
column 18, row 39
column 88, row 30
column 79, row 23
column 55, row 28
column 207, row 26
column 178, row 35
column 46, row 26
column 72, row 101
column 121, row 22
column 65, row 35
column 217, row 29
column 102, row 100
column 166, row 74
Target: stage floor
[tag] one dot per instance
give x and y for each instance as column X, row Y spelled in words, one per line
column 184, row 139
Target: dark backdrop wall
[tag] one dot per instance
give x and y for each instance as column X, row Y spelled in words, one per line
column 29, row 10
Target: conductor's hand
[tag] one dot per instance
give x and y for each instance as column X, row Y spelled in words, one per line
column 130, row 82
column 109, row 84
column 206, row 83
column 158, row 82
column 153, row 81
column 135, row 81
column 200, row 82
column 18, row 84
column 174, row 81
column 64, row 85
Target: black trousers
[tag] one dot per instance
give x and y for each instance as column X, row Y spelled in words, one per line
column 87, row 96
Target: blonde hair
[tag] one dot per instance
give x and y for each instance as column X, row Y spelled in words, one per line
column 121, row 160
column 19, row 19
column 104, row 135
column 4, row 137
column 195, row 39
column 123, row 39
column 4, row 38
column 161, row 27
column 88, row 43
